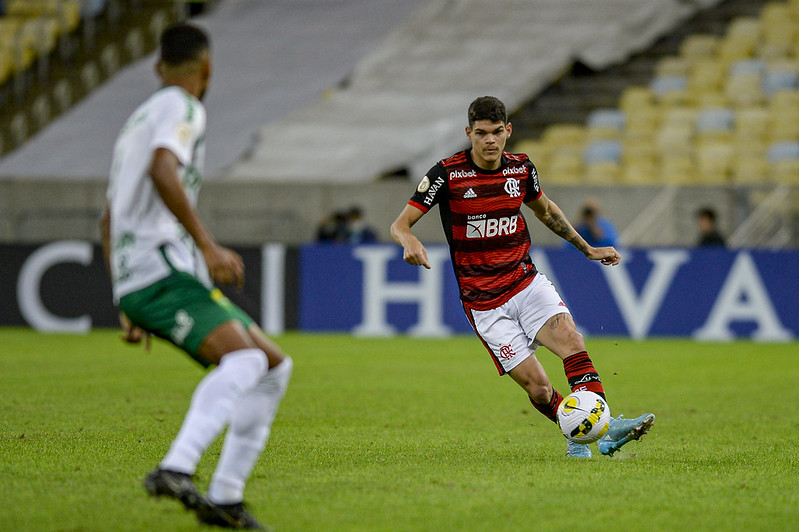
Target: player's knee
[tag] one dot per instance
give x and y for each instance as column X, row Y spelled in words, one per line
column 540, row 393
column 570, row 339
column 576, row 341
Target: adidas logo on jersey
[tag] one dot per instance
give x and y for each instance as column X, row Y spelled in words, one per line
column 470, row 194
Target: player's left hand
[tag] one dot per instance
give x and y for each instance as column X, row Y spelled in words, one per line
column 133, row 334
column 608, row 256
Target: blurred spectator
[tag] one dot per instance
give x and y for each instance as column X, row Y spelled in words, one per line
column 597, row 230
column 346, row 227
column 709, row 234
column 333, row 228
column 358, row 231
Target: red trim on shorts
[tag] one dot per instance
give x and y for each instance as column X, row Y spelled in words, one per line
column 468, row 311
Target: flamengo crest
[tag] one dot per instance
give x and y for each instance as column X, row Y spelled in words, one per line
column 512, row 187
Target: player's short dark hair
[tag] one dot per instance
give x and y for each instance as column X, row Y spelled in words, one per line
column 487, row 108
column 183, row 42
column 706, row 212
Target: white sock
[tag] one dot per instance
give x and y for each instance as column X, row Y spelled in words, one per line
column 246, row 437
column 211, row 407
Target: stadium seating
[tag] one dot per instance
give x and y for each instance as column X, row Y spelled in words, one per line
column 419, row 76
column 723, row 110
column 30, row 30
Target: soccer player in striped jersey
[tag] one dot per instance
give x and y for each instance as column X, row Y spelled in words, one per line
column 512, row 307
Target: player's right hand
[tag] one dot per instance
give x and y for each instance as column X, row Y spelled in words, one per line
column 224, row 265
column 416, row 254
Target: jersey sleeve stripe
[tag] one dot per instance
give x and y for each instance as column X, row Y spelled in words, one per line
column 419, row 206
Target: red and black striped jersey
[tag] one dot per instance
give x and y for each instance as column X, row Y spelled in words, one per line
column 481, row 215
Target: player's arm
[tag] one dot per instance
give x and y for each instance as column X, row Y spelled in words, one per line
column 414, row 251
column 105, row 237
column 224, row 265
column 130, row 333
column 548, row 212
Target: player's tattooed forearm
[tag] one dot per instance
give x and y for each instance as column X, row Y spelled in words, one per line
column 558, row 225
column 574, row 241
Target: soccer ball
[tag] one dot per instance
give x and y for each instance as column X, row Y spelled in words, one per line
column 583, row 417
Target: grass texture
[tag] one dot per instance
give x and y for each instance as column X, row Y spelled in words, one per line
column 406, row 434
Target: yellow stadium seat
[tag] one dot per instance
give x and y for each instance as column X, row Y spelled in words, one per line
column 782, row 100
column 564, row 134
column 564, row 166
column 709, row 98
column 603, row 173
column 744, row 89
column 678, row 170
column 40, row 34
column 674, row 141
column 750, row 170
column 743, row 30
column 534, row 149
column 676, row 98
column 778, row 39
column 602, row 133
column 699, row 46
column 640, row 173
column 784, row 127
column 679, row 117
column 752, row 122
column 6, row 64
column 634, row 98
column 749, row 148
column 636, row 151
column 774, row 13
column 66, row 13
column 672, row 66
column 642, row 123
column 707, row 74
column 786, row 172
column 740, row 41
column 714, row 161
column 18, row 41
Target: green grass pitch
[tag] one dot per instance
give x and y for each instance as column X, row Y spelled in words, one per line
column 407, row 434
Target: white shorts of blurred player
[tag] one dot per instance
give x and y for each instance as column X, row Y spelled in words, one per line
column 509, row 331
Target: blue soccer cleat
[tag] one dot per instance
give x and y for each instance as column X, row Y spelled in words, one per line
column 622, row 431
column 577, row 450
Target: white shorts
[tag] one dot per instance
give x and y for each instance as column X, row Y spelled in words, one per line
column 509, row 331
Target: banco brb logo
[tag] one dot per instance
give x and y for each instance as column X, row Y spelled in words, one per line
column 491, row 227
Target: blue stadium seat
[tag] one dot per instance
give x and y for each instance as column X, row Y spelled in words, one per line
column 664, row 84
column 777, row 80
column 709, row 120
column 602, row 151
column 783, row 151
column 607, row 118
